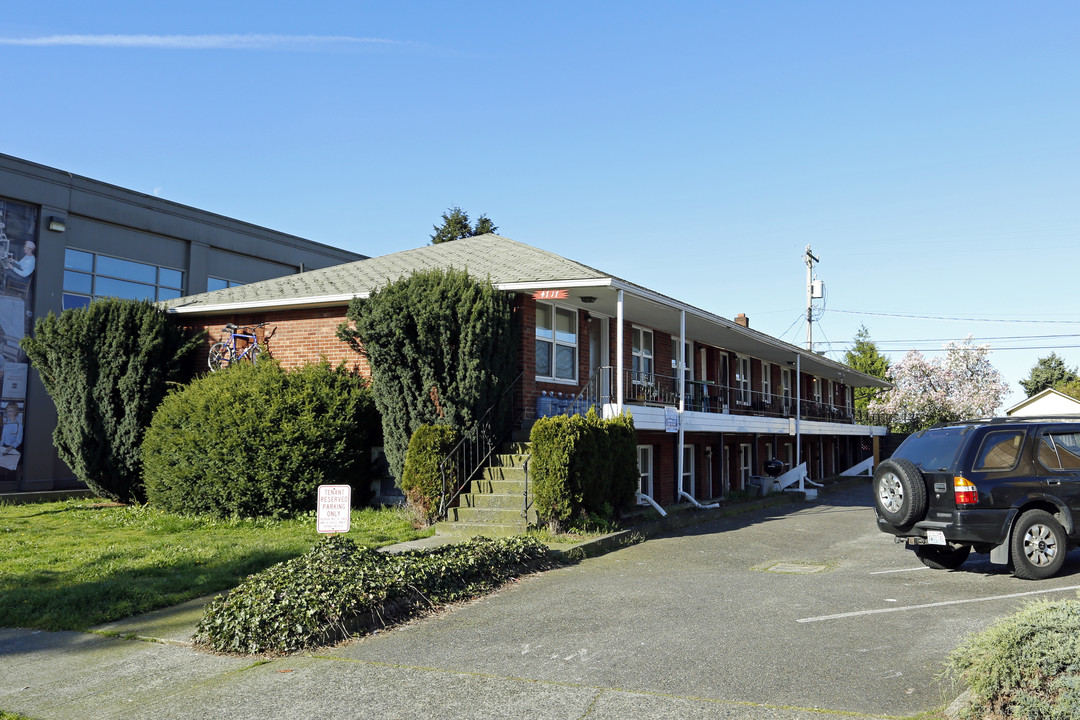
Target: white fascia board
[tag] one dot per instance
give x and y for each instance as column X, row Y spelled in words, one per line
column 549, row 284
column 275, row 303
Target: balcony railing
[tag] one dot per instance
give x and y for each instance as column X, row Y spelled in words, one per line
column 641, row 388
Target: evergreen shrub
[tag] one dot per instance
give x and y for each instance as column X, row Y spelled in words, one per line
column 421, row 480
column 441, row 347
column 338, row 587
column 581, row 466
column 255, row 440
column 106, row 367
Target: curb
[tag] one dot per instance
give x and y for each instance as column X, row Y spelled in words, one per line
column 688, row 517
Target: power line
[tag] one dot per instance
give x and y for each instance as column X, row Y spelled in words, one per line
column 955, row 319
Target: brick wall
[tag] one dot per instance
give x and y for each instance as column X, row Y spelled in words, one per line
column 292, row 337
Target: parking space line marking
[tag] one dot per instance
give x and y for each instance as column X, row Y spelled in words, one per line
column 859, row 613
column 886, row 572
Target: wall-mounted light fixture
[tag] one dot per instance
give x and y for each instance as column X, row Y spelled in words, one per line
column 588, row 299
column 57, row 224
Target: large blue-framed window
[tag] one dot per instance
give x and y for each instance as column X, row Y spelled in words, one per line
column 88, row 276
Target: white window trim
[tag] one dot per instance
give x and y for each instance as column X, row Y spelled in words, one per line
column 556, row 343
column 688, row 472
column 746, row 463
column 766, row 381
column 642, row 377
column 743, row 389
column 647, row 473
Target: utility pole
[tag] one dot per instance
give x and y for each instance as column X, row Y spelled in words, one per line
column 810, row 294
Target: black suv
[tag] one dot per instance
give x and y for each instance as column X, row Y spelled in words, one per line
column 1009, row 487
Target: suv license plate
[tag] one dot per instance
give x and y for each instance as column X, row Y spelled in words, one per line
column 935, row 537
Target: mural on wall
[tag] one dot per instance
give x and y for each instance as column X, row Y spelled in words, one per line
column 18, row 247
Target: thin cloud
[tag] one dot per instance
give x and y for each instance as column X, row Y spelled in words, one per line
column 202, row 42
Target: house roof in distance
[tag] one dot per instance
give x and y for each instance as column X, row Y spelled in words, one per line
column 514, row 266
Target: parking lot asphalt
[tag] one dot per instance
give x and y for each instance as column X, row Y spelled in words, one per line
column 792, row 612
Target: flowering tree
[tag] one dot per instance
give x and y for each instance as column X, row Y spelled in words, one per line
column 959, row 385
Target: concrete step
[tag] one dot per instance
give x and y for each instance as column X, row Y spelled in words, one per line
column 498, row 487
column 490, row 500
column 468, row 529
column 516, row 474
column 510, row 460
column 494, row 516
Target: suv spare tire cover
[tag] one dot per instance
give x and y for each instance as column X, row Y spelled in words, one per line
column 899, row 492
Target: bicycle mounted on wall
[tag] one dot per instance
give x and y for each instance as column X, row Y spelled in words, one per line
column 225, row 352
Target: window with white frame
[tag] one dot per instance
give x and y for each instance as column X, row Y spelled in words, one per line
column 785, row 383
column 688, row 469
column 556, row 342
column 789, row 456
column 641, row 348
column 644, row 462
column 849, row 400
column 815, row 389
column 746, row 463
column 742, row 379
column 766, row 381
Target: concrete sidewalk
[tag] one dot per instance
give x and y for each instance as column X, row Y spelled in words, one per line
column 145, row 667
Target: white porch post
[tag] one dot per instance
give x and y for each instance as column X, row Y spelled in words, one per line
column 619, row 354
column 798, row 410
column 682, row 403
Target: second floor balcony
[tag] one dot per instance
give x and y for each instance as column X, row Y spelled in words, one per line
column 655, row 390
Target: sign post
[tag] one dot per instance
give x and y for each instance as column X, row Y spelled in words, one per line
column 334, row 509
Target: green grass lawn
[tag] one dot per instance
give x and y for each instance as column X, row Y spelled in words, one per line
column 75, row 564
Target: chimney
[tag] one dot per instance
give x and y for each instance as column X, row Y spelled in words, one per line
column 741, row 319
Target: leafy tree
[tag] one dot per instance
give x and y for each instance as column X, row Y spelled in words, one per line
column 1048, row 372
column 865, row 358
column 959, row 385
column 106, row 368
column 456, row 226
column 441, row 349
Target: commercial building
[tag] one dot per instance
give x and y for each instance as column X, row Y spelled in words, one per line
column 66, row 239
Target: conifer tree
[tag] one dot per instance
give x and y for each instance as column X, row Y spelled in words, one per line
column 441, row 349
column 106, row 367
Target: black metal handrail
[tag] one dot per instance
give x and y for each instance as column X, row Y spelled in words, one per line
column 478, row 444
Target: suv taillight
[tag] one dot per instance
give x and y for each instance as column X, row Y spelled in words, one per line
column 965, row 491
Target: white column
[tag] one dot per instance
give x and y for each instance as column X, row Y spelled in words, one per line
column 619, row 354
column 682, row 401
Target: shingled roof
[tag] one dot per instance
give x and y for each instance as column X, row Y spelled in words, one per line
column 486, row 257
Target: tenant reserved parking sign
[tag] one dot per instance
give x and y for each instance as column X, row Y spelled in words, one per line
column 334, row 509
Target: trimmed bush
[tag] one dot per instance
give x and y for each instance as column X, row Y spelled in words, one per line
column 581, row 466
column 421, row 480
column 1026, row 665
column 338, row 588
column 254, row 440
column 106, row 367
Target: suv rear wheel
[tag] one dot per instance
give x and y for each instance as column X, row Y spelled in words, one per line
column 899, row 492
column 1038, row 546
column 943, row 557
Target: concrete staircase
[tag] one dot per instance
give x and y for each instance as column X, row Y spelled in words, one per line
column 494, row 503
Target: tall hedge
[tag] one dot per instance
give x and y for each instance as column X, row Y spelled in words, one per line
column 256, row 440
column 582, row 465
column 106, row 367
column 441, row 349
column 421, row 480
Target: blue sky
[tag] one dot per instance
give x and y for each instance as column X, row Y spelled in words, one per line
column 928, row 152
